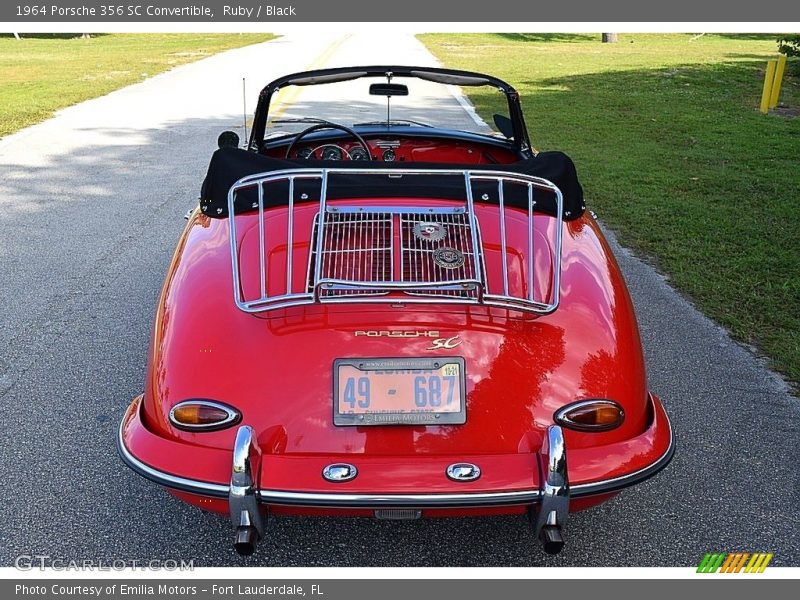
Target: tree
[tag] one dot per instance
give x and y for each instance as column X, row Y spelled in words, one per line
column 789, row 45
column 610, row 38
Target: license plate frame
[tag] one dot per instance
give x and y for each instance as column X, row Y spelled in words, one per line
column 417, row 416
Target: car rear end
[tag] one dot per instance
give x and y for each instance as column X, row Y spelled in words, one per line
column 395, row 356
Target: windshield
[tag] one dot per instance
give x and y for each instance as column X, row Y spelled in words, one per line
column 428, row 104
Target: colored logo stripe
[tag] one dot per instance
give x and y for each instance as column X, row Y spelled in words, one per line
column 758, row 563
column 734, row 562
column 710, row 563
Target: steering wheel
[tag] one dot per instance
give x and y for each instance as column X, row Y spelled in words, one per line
column 319, row 126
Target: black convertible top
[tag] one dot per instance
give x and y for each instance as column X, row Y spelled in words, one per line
column 228, row 165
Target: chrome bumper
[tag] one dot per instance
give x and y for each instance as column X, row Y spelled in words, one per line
column 549, row 505
column 554, row 507
column 342, row 500
column 242, row 495
column 549, row 515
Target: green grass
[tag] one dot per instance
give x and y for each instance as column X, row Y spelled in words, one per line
column 45, row 72
column 674, row 156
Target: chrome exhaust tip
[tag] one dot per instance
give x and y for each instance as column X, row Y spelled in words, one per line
column 552, row 539
column 246, row 540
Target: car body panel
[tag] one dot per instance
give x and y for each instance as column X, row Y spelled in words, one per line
column 577, row 352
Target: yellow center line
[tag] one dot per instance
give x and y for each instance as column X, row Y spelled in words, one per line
column 289, row 95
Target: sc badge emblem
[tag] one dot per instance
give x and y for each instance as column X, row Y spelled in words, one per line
column 445, row 343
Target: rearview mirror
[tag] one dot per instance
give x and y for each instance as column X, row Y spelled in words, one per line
column 228, row 139
column 388, row 89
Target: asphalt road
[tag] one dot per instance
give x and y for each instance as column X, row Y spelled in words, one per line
column 91, row 206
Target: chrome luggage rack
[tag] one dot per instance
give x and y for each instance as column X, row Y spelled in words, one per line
column 353, row 248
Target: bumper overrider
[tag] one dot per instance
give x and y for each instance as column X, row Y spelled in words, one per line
column 595, row 472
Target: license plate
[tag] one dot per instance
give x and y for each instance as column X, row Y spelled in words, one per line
column 399, row 391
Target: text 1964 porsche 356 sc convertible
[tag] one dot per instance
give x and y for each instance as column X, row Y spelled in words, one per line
column 393, row 319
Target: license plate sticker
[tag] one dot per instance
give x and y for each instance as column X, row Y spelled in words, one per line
column 399, row 391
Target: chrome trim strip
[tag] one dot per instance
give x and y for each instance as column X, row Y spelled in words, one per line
column 503, row 241
column 289, row 238
column 557, row 252
column 623, row 481
column 323, row 198
column 261, row 259
column 400, row 285
column 474, row 227
column 397, row 209
column 531, row 229
column 398, row 500
column 182, row 484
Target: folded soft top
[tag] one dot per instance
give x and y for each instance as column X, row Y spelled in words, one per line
column 228, row 165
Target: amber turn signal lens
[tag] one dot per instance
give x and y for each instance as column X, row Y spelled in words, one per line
column 591, row 415
column 203, row 415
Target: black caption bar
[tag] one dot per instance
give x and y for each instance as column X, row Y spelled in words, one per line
column 390, row 589
column 462, row 11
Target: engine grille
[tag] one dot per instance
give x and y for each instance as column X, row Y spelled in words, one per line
column 358, row 251
column 418, row 252
column 356, row 247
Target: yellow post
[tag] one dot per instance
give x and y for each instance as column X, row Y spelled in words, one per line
column 776, row 83
column 769, row 77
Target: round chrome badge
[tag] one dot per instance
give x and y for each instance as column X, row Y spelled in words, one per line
column 429, row 232
column 463, row 472
column 339, row 472
column 448, row 258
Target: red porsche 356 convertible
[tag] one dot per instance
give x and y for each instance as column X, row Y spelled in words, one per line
column 393, row 319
